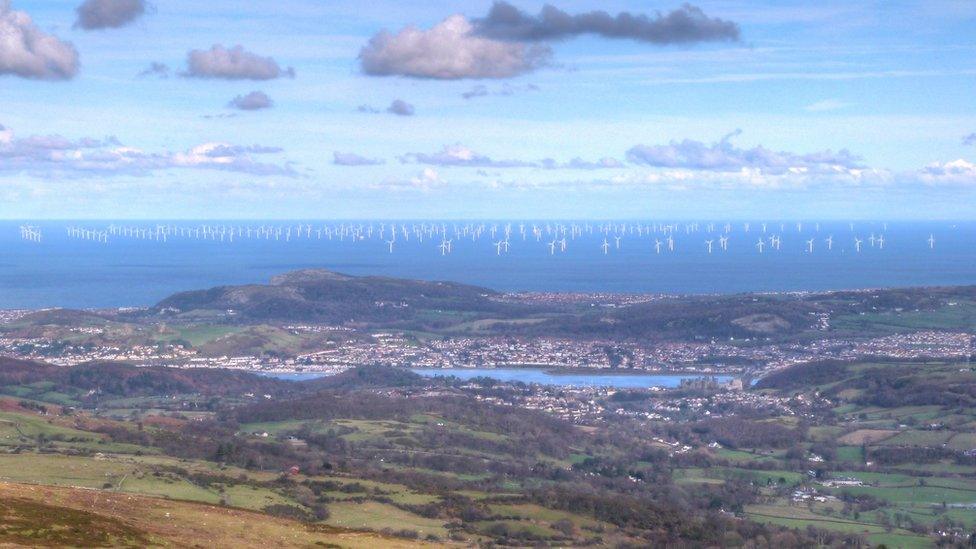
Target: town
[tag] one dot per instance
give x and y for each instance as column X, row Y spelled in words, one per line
column 346, row 347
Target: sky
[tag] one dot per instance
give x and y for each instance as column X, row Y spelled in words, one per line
column 304, row 109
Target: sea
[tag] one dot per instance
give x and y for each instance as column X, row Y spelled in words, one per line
column 59, row 268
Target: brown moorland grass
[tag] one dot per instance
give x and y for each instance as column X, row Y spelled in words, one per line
column 56, row 516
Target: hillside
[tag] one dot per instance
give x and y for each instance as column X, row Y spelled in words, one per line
column 94, row 380
column 60, row 516
column 325, row 296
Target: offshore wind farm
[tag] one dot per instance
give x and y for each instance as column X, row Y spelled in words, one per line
column 74, row 263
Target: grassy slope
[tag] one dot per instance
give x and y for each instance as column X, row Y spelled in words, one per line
column 46, row 515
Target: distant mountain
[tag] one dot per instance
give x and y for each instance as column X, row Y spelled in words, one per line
column 325, row 296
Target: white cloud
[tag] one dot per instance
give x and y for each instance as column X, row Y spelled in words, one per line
column 234, row 63
column 448, row 51
column 459, row 155
column 57, row 156
column 957, row 172
column 723, row 156
column 28, row 52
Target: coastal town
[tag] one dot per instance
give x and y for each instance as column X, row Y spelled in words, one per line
column 344, row 347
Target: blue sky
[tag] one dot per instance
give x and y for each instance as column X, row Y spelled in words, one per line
column 768, row 109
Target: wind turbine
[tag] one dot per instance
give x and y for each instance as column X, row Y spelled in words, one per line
column 709, row 244
column 605, row 246
column 761, row 245
column 931, row 241
column 857, row 244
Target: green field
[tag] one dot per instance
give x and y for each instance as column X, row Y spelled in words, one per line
column 372, row 515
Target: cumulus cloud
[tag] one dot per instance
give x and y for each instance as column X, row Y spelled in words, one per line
column 253, row 101
column 958, row 172
column 55, row 155
column 157, row 69
column 400, row 107
column 687, row 24
column 505, row 43
column 108, row 14
column 234, row 63
column 28, row 52
column 459, row 155
column 969, row 139
column 448, row 51
column 353, row 159
column 505, row 89
column 723, row 156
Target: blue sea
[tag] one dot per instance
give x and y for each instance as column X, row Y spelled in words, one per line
column 62, row 270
